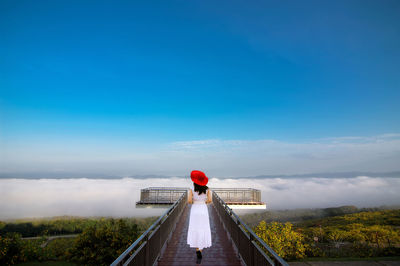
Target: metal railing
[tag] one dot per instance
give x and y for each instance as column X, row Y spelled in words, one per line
column 160, row 195
column 168, row 195
column 253, row 250
column 145, row 250
column 239, row 195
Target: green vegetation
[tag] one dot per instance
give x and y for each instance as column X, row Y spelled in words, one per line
column 102, row 244
column 60, row 225
column 330, row 233
column 362, row 234
column 100, row 241
column 385, row 217
column 299, row 215
column 286, row 242
column 47, row 263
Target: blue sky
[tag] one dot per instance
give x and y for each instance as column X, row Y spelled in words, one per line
column 121, row 80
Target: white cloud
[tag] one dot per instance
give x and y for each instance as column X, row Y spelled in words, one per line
column 105, row 197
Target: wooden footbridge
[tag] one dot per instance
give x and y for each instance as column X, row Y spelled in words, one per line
column 233, row 242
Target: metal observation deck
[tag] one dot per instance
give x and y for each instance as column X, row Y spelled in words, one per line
column 233, row 242
column 235, row 198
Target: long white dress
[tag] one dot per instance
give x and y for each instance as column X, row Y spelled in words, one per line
column 199, row 233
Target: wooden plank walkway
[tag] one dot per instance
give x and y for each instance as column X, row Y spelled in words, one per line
column 178, row 251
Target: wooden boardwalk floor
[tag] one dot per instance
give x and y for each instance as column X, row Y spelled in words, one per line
column 178, row 251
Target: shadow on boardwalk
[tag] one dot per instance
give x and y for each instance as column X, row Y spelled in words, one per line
column 178, row 252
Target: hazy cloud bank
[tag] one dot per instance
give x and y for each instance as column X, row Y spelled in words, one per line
column 220, row 158
column 260, row 157
column 105, row 197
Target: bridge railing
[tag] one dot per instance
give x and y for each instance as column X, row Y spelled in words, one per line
column 253, row 250
column 145, row 250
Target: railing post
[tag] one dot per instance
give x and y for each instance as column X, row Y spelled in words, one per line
column 157, row 196
column 252, row 261
column 147, row 252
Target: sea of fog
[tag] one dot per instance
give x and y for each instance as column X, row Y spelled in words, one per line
column 22, row 198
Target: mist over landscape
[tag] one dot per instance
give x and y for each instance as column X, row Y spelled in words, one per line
column 360, row 171
column 21, row 198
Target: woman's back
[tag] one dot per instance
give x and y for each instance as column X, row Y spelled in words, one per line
column 199, row 198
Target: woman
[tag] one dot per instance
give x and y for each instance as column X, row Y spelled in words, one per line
column 199, row 233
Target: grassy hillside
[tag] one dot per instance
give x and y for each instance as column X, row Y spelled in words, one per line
column 299, row 215
column 366, row 218
column 360, row 234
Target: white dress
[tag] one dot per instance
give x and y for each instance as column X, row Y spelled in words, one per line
column 199, row 233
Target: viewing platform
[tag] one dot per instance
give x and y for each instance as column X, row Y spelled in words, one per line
column 233, row 242
column 235, row 198
column 154, row 197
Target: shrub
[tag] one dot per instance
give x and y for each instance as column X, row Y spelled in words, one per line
column 103, row 242
column 286, row 242
column 11, row 249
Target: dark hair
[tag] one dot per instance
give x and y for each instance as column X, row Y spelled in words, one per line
column 200, row 189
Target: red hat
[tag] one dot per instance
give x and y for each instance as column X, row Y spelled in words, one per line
column 199, row 177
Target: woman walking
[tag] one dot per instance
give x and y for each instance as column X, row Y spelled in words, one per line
column 199, row 232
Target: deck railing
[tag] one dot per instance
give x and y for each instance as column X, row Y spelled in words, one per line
column 145, row 250
column 252, row 249
column 160, row 195
column 239, row 195
column 168, row 195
